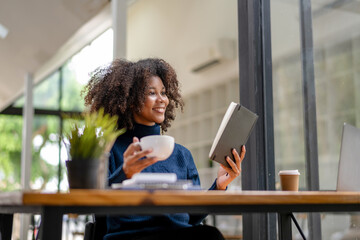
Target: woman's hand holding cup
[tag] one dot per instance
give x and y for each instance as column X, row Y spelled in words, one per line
column 133, row 162
column 147, row 151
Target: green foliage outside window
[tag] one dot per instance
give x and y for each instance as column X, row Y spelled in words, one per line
column 46, row 129
column 10, row 152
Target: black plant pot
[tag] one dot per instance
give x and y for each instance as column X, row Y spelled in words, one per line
column 82, row 174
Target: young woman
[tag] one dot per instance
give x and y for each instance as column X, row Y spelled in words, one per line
column 144, row 95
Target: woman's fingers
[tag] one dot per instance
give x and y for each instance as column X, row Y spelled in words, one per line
column 237, row 157
column 144, row 163
column 134, row 165
column 228, row 174
column 132, row 148
column 138, row 155
column 234, row 167
column 242, row 153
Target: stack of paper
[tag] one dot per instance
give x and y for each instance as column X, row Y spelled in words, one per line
column 140, row 178
column 155, row 181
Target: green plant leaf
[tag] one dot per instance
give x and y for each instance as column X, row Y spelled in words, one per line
column 95, row 137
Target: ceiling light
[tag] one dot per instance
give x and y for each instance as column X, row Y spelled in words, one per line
column 3, row 31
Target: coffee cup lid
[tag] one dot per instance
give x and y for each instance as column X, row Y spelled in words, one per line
column 289, row 172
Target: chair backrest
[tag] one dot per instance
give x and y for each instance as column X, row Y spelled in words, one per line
column 95, row 230
column 100, row 227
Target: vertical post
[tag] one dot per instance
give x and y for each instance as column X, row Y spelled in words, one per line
column 60, row 124
column 26, row 152
column 51, row 223
column 119, row 20
column 256, row 94
column 285, row 231
column 308, row 80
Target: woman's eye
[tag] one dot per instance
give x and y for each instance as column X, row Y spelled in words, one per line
column 163, row 93
column 151, row 93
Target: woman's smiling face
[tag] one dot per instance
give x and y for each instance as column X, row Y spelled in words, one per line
column 156, row 101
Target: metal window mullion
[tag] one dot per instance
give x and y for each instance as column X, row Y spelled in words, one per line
column 310, row 124
column 268, row 96
column 268, row 110
column 60, row 123
column 256, row 94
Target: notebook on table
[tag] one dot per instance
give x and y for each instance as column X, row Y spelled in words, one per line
column 349, row 162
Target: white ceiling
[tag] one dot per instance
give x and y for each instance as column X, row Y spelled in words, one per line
column 37, row 30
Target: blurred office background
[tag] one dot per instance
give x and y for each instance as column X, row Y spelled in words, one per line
column 200, row 39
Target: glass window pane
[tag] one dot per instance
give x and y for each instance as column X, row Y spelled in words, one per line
column 45, row 153
column 10, row 152
column 71, row 99
column 46, row 93
column 337, row 83
column 45, row 159
column 76, row 71
column 19, row 103
column 336, row 60
column 288, row 93
column 287, row 88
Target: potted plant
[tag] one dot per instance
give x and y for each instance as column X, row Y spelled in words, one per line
column 88, row 146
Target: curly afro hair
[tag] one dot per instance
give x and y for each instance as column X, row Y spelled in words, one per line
column 120, row 87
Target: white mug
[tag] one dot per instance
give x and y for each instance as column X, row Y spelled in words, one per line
column 162, row 145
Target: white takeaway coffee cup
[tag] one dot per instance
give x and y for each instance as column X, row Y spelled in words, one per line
column 289, row 180
column 162, row 145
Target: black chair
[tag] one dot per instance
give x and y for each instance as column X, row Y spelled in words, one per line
column 95, row 230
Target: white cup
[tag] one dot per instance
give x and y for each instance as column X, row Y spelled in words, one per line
column 162, row 145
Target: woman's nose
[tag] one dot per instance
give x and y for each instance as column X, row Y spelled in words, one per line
column 160, row 98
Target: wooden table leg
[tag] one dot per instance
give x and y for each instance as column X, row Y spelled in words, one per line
column 6, row 223
column 284, row 222
column 51, row 224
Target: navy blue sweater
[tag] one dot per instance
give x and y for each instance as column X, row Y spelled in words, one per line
column 180, row 162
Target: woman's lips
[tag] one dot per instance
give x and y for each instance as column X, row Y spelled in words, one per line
column 159, row 109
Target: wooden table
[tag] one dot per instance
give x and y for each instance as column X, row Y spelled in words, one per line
column 52, row 206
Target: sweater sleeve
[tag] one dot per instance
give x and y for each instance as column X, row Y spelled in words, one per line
column 116, row 174
column 192, row 174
